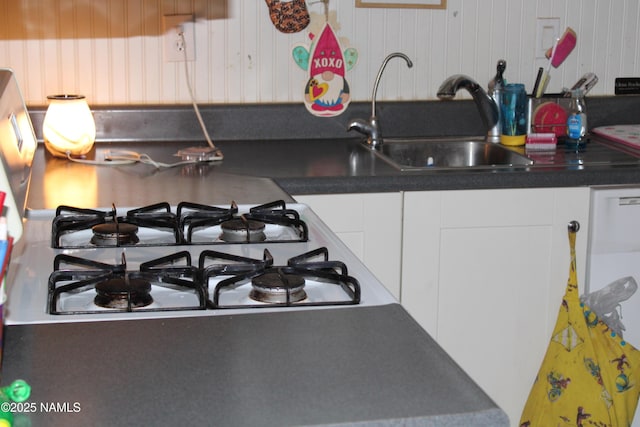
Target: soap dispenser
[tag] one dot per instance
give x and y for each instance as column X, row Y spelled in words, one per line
column 495, row 92
column 577, row 120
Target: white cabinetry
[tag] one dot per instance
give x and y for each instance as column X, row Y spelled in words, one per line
column 370, row 225
column 484, row 272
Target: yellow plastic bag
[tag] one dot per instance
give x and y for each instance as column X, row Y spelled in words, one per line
column 588, row 376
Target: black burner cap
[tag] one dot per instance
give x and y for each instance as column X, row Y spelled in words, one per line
column 114, row 233
column 118, row 292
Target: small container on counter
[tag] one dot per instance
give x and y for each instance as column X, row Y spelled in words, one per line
column 577, row 120
column 513, row 114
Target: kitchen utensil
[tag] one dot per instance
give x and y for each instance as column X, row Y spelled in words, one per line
column 556, row 55
column 536, row 85
column 544, row 81
column 564, row 47
column 586, row 83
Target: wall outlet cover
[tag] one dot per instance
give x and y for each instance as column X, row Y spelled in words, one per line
column 179, row 47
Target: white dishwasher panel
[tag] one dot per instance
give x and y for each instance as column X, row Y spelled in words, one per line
column 614, row 251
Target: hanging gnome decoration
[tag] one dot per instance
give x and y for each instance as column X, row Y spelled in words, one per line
column 327, row 91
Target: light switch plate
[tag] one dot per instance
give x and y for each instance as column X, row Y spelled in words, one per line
column 547, row 30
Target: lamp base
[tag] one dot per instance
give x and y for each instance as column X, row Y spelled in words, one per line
column 74, row 152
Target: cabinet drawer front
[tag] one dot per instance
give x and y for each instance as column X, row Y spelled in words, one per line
column 486, row 208
column 341, row 212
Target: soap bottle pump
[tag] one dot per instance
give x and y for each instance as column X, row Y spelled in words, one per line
column 495, row 92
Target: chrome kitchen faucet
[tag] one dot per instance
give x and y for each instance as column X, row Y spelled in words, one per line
column 486, row 105
column 371, row 128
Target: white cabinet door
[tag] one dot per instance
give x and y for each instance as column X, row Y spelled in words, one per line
column 370, row 225
column 484, row 272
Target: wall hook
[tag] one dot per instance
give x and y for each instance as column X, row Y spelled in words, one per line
column 326, row 8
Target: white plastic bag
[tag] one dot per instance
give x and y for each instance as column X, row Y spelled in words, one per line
column 605, row 302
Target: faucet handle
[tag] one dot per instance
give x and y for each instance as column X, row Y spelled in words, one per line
column 501, row 66
column 369, row 128
column 498, row 80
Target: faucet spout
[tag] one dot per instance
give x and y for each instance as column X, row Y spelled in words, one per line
column 371, row 128
column 486, row 106
column 389, row 57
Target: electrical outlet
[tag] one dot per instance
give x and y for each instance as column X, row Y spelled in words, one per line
column 547, row 30
column 175, row 44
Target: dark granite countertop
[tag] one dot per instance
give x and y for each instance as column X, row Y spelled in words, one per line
column 351, row 366
column 347, row 166
column 262, row 171
column 56, row 181
column 304, row 154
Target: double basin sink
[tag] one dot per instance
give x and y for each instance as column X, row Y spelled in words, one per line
column 428, row 153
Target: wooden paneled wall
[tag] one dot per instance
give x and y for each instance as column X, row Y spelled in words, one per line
column 111, row 50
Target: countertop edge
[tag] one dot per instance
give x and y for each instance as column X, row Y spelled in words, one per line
column 456, row 181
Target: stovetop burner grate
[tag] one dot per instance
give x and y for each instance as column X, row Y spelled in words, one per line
column 242, row 228
column 338, row 288
column 219, row 281
column 118, row 290
column 69, row 219
column 192, row 224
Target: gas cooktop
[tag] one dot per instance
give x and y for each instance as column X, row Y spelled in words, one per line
column 77, row 264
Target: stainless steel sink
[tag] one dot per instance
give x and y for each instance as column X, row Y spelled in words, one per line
column 430, row 153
